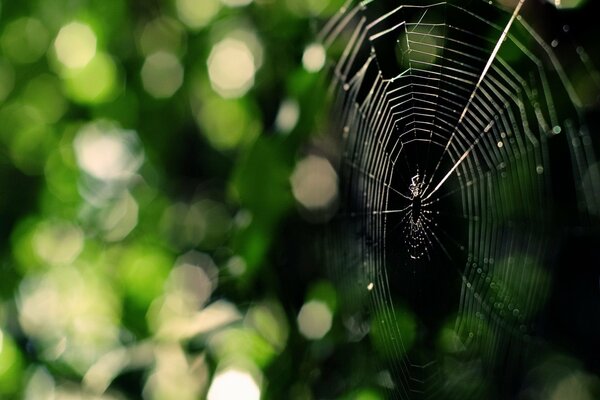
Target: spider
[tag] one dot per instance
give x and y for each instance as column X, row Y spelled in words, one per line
column 415, row 186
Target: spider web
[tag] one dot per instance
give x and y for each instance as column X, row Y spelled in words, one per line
column 461, row 147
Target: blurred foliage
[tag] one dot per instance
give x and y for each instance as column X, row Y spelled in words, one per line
column 145, row 156
column 148, row 220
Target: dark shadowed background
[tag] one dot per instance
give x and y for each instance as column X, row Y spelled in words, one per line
column 168, row 191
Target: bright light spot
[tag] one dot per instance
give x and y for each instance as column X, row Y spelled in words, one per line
column 72, row 312
column 287, row 116
column 73, row 392
column 231, row 68
column 577, row 386
column 500, row 145
column 162, row 74
column 236, row 3
column 175, row 376
column 181, row 313
column 253, row 42
column 100, row 375
column 236, row 266
column 370, row 286
column 94, row 83
column 75, row 45
column 40, row 386
column 58, row 243
column 233, row 384
column 105, row 152
column 314, row 183
column 172, row 324
column 314, row 320
column 313, row 58
column 194, row 278
column 197, row 13
column 567, row 3
column 214, row 316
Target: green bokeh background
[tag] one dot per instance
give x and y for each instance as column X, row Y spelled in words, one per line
column 147, row 222
column 142, row 207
